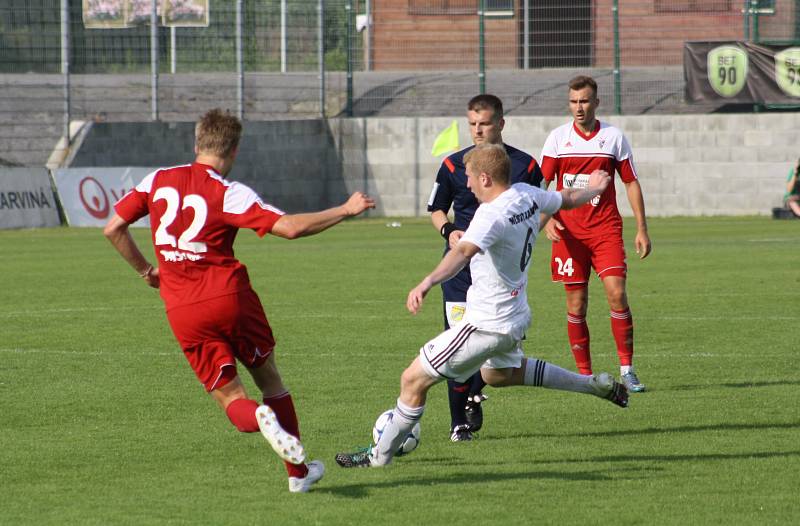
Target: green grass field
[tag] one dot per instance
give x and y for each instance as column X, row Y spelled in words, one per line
column 103, row 422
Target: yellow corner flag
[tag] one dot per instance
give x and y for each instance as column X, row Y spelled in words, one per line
column 447, row 141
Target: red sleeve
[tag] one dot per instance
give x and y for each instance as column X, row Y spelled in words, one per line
column 133, row 206
column 549, row 168
column 258, row 217
column 626, row 171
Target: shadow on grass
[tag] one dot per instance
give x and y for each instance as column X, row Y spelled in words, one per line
column 654, row 431
column 733, row 385
column 679, row 458
column 362, row 490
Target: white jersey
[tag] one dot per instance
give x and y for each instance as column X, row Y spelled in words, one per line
column 505, row 230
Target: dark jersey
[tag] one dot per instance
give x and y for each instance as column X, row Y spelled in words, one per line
column 450, row 190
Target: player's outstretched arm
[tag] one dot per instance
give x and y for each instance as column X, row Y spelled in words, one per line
column 636, row 199
column 575, row 197
column 292, row 226
column 118, row 233
column 449, row 266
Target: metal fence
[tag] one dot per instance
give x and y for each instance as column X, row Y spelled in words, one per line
column 278, row 59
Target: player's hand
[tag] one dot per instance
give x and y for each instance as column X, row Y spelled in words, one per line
column 455, row 237
column 643, row 245
column 153, row 278
column 551, row 230
column 599, row 179
column 357, row 203
column 416, row 296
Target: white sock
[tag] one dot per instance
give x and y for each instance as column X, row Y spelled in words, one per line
column 625, row 369
column 395, row 431
column 539, row 373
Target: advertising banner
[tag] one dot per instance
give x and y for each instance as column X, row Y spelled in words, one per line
column 27, row 199
column 120, row 14
column 741, row 72
column 88, row 194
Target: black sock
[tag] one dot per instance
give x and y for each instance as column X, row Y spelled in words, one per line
column 457, row 394
column 476, row 384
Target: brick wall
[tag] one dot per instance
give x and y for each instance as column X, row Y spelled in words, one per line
column 649, row 38
column 403, row 41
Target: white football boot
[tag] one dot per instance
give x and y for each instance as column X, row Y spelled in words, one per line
column 316, row 469
column 287, row 446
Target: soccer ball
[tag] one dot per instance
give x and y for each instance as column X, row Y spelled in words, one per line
column 409, row 444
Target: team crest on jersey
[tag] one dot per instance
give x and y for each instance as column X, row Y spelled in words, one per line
column 457, row 312
column 601, row 142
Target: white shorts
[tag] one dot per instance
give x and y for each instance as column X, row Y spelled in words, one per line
column 457, row 353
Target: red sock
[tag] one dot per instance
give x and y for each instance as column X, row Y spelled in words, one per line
column 287, row 418
column 242, row 414
column 578, row 333
column 622, row 329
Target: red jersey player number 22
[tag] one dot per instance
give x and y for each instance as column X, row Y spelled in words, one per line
column 187, row 249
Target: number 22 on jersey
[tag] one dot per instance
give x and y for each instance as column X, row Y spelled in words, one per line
column 185, row 241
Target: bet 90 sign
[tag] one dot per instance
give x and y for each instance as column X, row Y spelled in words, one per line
column 727, row 70
column 787, row 71
column 741, row 72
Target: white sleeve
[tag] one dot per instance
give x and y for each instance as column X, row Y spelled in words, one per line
column 550, row 202
column 550, row 148
column 623, row 148
column 146, row 184
column 484, row 229
column 239, row 198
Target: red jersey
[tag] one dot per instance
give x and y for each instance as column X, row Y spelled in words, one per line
column 569, row 156
column 195, row 215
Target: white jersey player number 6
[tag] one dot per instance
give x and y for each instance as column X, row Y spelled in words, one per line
column 527, row 251
column 173, row 199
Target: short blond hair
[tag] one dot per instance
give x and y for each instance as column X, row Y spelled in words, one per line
column 217, row 133
column 491, row 159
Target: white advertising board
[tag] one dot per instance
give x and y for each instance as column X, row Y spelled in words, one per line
column 88, row 194
column 27, row 199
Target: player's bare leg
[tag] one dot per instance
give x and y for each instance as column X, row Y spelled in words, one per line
column 577, row 328
column 622, row 329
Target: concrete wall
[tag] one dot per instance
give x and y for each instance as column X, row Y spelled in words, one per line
column 688, row 164
column 293, row 164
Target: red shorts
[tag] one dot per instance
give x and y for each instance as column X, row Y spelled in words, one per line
column 573, row 259
column 215, row 333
